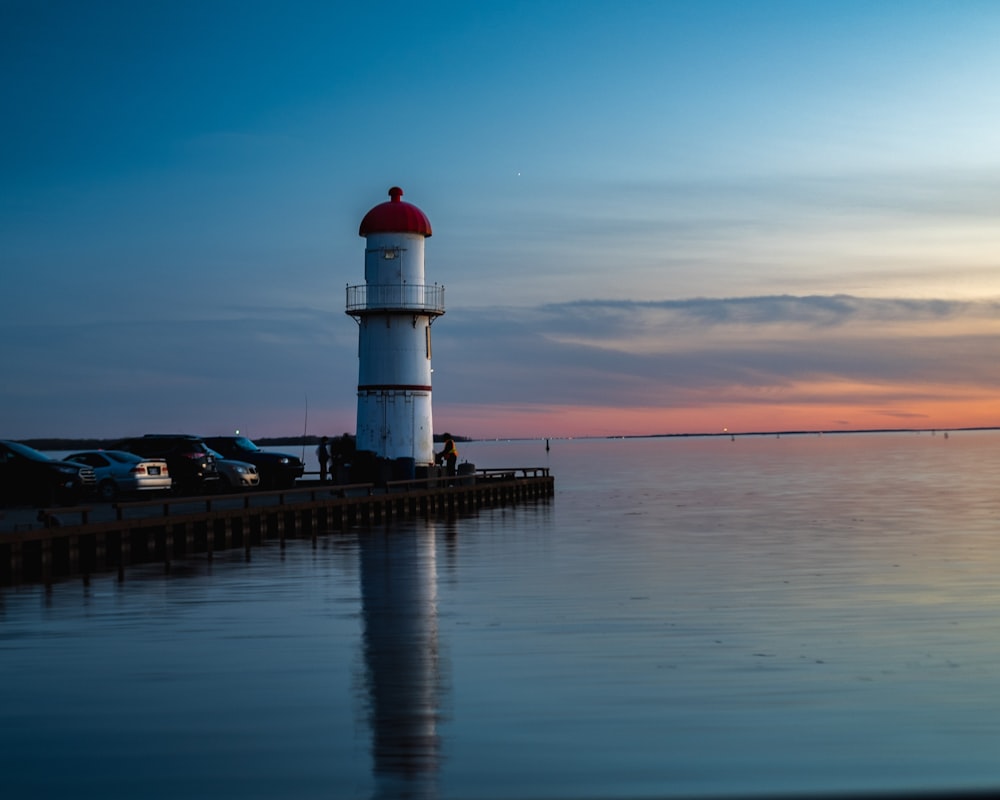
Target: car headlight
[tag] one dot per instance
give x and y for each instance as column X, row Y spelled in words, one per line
column 68, row 470
column 282, row 460
column 241, row 470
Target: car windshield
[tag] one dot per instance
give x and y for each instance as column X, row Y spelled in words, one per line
column 28, row 452
column 243, row 443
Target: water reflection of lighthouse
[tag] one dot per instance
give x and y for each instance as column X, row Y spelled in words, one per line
column 403, row 665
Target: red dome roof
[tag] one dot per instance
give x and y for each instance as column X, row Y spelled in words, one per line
column 395, row 217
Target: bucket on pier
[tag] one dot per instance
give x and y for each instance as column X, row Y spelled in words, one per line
column 466, row 474
column 430, row 473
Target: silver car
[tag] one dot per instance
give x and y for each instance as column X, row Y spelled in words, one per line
column 118, row 472
column 235, row 475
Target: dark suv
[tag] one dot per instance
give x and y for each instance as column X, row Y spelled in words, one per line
column 29, row 477
column 191, row 465
column 277, row 470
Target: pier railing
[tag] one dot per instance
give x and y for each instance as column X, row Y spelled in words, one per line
column 422, row 298
column 480, row 476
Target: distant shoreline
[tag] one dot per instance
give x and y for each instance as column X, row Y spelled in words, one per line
column 299, row 441
column 728, row 434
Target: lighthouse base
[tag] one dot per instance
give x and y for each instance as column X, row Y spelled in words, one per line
column 396, row 424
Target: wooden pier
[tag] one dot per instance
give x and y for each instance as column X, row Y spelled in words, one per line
column 92, row 539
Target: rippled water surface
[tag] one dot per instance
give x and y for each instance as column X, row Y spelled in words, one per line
column 686, row 616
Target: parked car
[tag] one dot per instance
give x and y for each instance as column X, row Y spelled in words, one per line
column 276, row 470
column 192, row 467
column 120, row 472
column 29, row 477
column 235, row 474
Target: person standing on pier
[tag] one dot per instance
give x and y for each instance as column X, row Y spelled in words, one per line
column 449, row 454
column 323, row 454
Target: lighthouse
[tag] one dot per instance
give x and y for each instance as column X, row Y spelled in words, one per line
column 394, row 309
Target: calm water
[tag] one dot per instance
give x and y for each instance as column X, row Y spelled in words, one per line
column 685, row 617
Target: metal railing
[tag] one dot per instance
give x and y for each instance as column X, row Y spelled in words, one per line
column 427, row 299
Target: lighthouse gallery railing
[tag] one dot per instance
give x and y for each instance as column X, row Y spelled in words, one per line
column 395, row 297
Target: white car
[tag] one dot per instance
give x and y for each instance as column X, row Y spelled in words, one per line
column 118, row 472
column 235, row 475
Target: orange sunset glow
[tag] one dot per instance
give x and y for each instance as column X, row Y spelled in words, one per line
column 713, row 418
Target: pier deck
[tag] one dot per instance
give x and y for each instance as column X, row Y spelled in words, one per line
column 41, row 546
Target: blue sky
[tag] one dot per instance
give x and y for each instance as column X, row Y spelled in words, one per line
column 649, row 217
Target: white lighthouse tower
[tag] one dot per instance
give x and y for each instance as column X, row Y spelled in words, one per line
column 394, row 310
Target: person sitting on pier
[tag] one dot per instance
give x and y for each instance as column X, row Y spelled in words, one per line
column 449, row 454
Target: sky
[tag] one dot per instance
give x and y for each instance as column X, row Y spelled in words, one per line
column 649, row 217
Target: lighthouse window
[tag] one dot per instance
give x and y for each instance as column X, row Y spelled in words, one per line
column 427, row 337
column 390, row 253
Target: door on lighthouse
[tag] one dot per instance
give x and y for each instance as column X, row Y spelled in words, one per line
column 399, row 432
